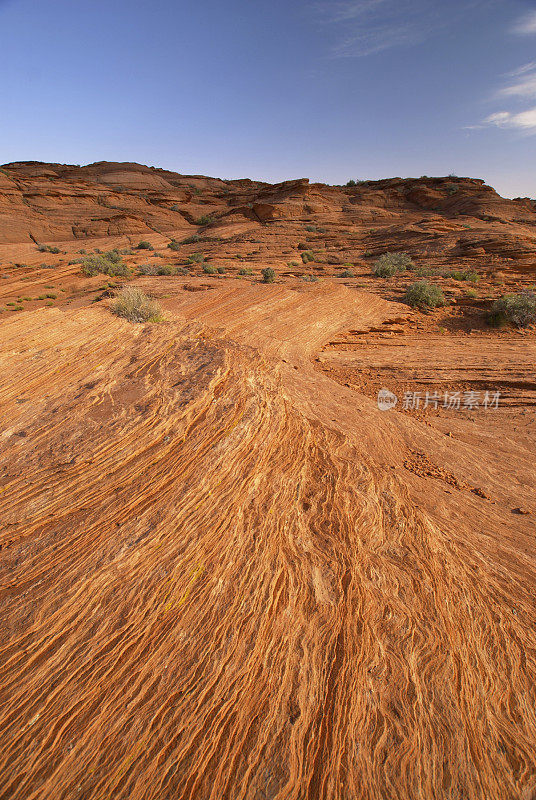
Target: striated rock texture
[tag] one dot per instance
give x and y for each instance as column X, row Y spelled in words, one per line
column 225, row 574
column 220, row 580
column 444, row 218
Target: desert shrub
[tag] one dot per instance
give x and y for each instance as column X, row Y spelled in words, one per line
column 308, row 256
column 144, row 246
column 147, row 269
column 425, row 272
column 268, row 275
column 196, row 258
column 220, row 270
column 293, row 264
column 166, row 269
column 518, row 309
column 472, row 293
column 181, row 271
column 310, row 278
column 351, row 182
column 208, row 269
column 424, row 295
column 134, row 305
column 206, row 219
column 192, row 239
column 389, row 264
column 311, row 228
column 109, row 263
column 174, row 245
column 245, row 271
column 346, row 273
column 462, row 275
column 46, row 248
column 48, row 296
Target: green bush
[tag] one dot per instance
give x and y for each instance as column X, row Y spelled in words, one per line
column 389, row 264
column 426, row 272
column 166, row 269
column 245, row 271
column 268, row 275
column 308, row 256
column 351, row 183
column 134, row 305
column 46, row 248
column 461, row 275
column 220, row 270
column 174, row 245
column 424, row 295
column 144, row 246
column 347, row 273
column 109, row 263
column 518, row 309
column 147, row 269
column 192, row 239
column 208, row 269
column 196, row 258
column 206, row 219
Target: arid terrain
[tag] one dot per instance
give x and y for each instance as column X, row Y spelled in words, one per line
column 226, row 574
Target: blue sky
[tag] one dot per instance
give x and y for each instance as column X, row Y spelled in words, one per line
column 275, row 89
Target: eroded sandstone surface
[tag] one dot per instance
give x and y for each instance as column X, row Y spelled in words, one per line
column 225, row 572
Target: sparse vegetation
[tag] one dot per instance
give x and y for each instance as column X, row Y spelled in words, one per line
column 347, row 273
column 517, row 309
column 390, row 264
column 196, row 258
column 220, row 270
column 268, row 275
column 174, row 245
column 308, row 256
column 424, row 295
column 46, row 248
column 109, row 263
column 166, row 269
column 208, row 269
column 205, row 220
column 134, row 305
column 144, row 246
column 245, row 271
column 462, row 275
column 146, row 269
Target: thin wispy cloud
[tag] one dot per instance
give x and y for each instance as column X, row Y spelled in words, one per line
column 520, row 88
column 368, row 27
column 524, row 121
column 526, row 25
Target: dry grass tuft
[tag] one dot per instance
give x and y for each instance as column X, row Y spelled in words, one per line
column 134, row 305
